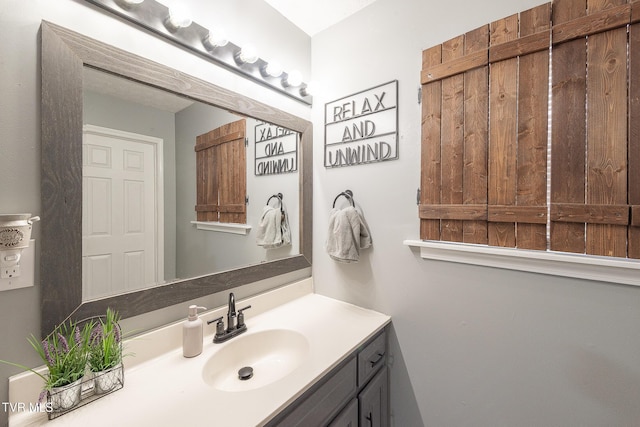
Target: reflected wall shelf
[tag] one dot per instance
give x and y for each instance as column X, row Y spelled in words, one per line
column 223, row 227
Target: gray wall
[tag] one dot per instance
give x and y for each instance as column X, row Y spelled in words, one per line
column 244, row 20
column 472, row 346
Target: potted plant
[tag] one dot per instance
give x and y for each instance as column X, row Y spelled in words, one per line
column 105, row 353
column 64, row 353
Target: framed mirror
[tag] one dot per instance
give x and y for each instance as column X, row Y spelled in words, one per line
column 66, row 57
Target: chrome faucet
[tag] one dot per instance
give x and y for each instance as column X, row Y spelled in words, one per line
column 231, row 313
column 235, row 322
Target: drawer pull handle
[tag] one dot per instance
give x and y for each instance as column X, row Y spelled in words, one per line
column 378, row 359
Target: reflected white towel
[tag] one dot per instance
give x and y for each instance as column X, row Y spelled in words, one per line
column 348, row 234
column 273, row 229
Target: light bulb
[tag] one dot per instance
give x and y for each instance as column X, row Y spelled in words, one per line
column 214, row 39
column 178, row 17
column 274, row 68
column 294, row 78
column 248, row 54
column 312, row 88
column 128, row 4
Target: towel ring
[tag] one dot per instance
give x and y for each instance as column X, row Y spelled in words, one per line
column 279, row 197
column 348, row 194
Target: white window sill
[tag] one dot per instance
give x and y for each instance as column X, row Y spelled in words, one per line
column 606, row 269
column 222, row 227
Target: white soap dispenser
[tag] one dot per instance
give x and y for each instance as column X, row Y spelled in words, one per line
column 192, row 333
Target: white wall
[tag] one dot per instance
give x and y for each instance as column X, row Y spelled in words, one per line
column 472, row 346
column 244, row 20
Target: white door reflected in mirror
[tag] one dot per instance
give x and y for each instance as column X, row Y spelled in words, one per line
column 121, row 235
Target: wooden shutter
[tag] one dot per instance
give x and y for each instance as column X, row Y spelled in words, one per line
column 454, row 139
column 221, row 174
column 594, row 186
column 590, row 144
column 484, row 134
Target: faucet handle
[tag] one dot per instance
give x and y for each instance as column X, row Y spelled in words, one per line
column 241, row 316
column 219, row 325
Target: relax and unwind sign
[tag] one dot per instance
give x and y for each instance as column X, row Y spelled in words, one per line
column 276, row 150
column 362, row 128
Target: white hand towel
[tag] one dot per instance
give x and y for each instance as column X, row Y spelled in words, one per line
column 269, row 231
column 348, row 234
column 286, row 231
column 273, row 229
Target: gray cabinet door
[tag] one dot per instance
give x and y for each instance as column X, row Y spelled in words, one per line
column 348, row 417
column 373, row 402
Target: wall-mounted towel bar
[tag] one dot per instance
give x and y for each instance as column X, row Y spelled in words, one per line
column 346, row 193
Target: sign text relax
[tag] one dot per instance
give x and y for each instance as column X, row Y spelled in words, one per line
column 362, row 128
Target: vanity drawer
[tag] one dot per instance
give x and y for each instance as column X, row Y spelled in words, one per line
column 372, row 358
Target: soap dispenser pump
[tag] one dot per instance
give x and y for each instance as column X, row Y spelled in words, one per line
column 192, row 333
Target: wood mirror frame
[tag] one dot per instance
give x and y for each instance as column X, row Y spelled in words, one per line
column 64, row 54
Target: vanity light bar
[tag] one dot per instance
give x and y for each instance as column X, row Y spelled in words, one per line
column 153, row 16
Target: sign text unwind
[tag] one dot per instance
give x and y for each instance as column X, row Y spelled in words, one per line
column 362, row 128
column 276, row 150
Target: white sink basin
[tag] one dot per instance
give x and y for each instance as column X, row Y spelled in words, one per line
column 272, row 354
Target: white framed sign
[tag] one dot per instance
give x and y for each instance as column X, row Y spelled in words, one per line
column 362, row 128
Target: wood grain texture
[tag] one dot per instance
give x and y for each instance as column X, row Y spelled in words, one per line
column 593, row 214
column 452, row 140
column 635, row 216
column 528, row 215
column 633, row 250
column 64, row 53
column 596, row 22
column 430, row 166
column 502, row 131
column 233, row 185
column 467, row 212
column 569, row 88
column 523, row 45
column 635, row 12
column 476, row 136
column 61, row 181
column 606, row 131
column 533, row 107
column 435, row 72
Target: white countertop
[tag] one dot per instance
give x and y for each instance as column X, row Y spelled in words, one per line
column 169, row 390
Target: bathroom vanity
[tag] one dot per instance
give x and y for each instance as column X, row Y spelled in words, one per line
column 355, row 393
column 315, row 360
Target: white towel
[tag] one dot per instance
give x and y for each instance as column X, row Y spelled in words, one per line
column 273, row 229
column 348, row 234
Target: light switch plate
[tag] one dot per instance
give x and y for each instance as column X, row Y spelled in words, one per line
column 26, row 267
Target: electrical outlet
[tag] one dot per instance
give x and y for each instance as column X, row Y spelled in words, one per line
column 10, row 272
column 9, row 280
